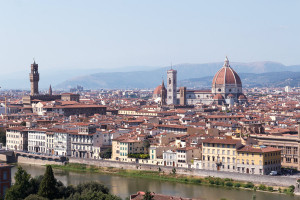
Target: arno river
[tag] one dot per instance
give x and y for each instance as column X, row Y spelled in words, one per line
column 124, row 186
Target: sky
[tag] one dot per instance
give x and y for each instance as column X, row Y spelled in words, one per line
column 88, row 34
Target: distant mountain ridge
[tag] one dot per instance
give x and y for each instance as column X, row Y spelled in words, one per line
column 188, row 75
column 269, row 79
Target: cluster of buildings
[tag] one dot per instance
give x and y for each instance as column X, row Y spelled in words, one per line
column 220, row 130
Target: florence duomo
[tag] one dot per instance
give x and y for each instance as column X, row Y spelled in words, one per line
column 102, row 107
column 226, row 89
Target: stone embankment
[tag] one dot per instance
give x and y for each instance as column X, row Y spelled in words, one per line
column 257, row 179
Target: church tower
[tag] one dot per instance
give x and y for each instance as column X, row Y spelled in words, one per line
column 163, row 93
column 34, row 79
column 50, row 90
column 171, row 87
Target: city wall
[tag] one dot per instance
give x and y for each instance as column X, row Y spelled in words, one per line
column 257, row 179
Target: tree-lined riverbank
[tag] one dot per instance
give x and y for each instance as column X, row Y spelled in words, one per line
column 123, row 186
column 173, row 177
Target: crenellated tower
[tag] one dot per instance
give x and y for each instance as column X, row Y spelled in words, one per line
column 34, row 77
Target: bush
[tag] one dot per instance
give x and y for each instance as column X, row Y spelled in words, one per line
column 229, row 184
column 270, row 189
column 211, row 181
column 262, row 187
column 237, row 185
column 248, row 185
column 199, row 181
column 228, row 179
column 219, row 181
column 138, row 155
column 279, row 190
column 290, row 190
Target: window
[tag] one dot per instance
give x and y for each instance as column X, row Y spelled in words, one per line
column 252, row 161
column 288, row 150
column 228, row 152
column 5, row 175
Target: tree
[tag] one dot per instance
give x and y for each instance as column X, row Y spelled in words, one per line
column 35, row 197
column 47, row 187
column 146, row 144
column 106, row 153
column 20, row 189
column 2, row 136
column 174, row 170
column 148, row 196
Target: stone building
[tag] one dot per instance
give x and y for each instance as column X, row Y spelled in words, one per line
column 258, row 160
column 17, row 138
column 289, row 145
column 34, row 78
column 226, row 89
column 220, row 154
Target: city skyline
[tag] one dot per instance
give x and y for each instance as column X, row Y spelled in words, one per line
column 108, row 35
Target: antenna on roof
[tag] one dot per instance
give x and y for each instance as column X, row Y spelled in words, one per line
column 33, row 60
column 171, row 65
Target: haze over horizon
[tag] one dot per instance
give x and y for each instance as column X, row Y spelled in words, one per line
column 115, row 34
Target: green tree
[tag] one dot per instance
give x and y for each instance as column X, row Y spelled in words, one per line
column 20, row 189
column 146, row 145
column 106, row 153
column 35, row 197
column 23, row 123
column 47, row 187
column 148, row 196
column 2, row 136
column 174, row 170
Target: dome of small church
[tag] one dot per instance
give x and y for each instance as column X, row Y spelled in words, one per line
column 218, row 97
column 157, row 90
column 242, row 97
column 231, row 96
column 226, row 75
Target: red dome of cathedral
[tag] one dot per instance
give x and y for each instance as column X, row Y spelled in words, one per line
column 226, row 75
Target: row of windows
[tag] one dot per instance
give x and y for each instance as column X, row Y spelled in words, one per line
column 213, row 158
column 218, row 151
column 12, row 136
column 219, row 145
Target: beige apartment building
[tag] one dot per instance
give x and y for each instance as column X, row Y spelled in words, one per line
column 220, row 154
column 17, row 139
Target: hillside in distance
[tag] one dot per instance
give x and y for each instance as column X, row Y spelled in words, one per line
column 187, row 75
column 269, row 79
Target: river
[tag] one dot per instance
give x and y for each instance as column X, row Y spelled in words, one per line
column 124, row 186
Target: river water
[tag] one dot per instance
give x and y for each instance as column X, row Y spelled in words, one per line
column 124, row 186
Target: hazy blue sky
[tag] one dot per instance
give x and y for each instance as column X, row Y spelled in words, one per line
column 110, row 34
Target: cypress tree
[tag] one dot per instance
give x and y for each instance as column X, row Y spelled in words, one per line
column 47, row 187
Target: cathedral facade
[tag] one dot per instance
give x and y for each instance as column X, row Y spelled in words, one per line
column 226, row 89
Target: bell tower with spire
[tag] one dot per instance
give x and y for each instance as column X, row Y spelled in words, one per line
column 163, row 93
column 34, row 77
column 50, row 90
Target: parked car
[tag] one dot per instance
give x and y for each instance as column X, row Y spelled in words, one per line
column 273, row 173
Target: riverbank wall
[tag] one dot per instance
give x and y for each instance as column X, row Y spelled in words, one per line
column 284, row 181
column 14, row 158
